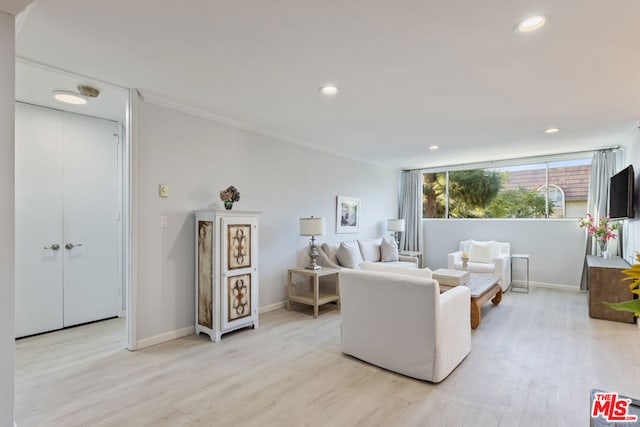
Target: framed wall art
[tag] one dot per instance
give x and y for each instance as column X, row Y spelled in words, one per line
column 347, row 214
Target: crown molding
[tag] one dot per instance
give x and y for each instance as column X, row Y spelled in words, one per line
column 13, row 7
column 169, row 103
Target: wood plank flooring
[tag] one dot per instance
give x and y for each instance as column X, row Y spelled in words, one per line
column 532, row 363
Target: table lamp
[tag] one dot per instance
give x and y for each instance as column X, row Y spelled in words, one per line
column 312, row 227
column 397, row 226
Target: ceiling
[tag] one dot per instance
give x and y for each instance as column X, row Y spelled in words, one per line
column 411, row 73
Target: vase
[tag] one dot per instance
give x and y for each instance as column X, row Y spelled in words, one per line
column 228, row 205
column 602, row 246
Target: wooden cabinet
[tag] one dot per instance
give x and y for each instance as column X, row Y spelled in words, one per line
column 604, row 278
column 226, row 271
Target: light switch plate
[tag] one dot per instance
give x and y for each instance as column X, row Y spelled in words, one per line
column 164, row 221
column 164, row 190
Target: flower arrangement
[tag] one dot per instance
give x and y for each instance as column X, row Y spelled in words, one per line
column 231, row 194
column 633, row 305
column 603, row 231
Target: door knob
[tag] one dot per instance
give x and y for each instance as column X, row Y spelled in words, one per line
column 71, row 245
column 53, row 247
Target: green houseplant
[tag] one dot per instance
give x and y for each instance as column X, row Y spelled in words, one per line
column 633, row 305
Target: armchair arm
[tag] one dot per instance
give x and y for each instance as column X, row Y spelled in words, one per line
column 453, row 258
column 503, row 269
column 453, row 334
column 407, row 258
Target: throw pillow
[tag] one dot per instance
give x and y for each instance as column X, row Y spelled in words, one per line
column 370, row 249
column 481, row 252
column 389, row 250
column 397, row 269
column 331, row 250
column 349, row 255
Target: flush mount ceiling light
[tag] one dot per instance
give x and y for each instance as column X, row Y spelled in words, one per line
column 69, row 97
column 552, row 130
column 434, row 147
column 531, row 23
column 328, row 89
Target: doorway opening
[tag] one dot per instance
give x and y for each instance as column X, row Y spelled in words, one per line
column 35, row 84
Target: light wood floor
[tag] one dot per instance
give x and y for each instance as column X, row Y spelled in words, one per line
column 533, row 360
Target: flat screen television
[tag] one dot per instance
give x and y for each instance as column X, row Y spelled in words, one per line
column 621, row 194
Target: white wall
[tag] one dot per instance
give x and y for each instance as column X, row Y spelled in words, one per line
column 197, row 158
column 7, row 346
column 556, row 246
column 632, row 227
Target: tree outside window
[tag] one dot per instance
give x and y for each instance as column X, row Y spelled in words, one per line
column 509, row 192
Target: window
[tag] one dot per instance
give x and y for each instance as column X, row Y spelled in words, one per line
column 544, row 189
column 555, row 195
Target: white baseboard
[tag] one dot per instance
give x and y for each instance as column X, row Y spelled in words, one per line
column 272, row 307
column 548, row 285
column 167, row 336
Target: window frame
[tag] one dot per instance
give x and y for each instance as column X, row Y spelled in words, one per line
column 524, row 161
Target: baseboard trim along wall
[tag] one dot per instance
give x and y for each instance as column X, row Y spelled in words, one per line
column 179, row 333
column 272, row 307
column 167, row 336
column 560, row 287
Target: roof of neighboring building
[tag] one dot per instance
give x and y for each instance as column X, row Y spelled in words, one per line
column 573, row 180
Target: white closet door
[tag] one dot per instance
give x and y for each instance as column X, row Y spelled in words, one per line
column 91, row 274
column 39, row 218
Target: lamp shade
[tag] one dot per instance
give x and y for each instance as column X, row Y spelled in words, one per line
column 395, row 225
column 312, row 226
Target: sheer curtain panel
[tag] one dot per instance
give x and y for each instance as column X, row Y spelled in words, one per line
column 411, row 210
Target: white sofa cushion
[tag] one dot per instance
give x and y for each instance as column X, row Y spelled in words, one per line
column 396, row 269
column 370, row 249
column 389, row 250
column 482, row 252
column 349, row 255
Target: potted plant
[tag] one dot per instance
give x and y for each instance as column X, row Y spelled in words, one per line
column 229, row 196
column 633, row 305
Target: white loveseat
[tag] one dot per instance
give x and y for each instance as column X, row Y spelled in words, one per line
column 357, row 251
column 402, row 323
column 487, row 257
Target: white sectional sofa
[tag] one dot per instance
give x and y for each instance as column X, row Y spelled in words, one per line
column 402, row 323
column 351, row 254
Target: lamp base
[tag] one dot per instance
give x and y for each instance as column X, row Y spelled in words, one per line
column 313, row 254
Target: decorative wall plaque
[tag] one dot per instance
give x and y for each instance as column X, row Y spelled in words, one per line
column 239, row 242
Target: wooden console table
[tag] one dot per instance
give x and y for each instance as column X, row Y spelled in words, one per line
column 604, row 281
column 313, row 297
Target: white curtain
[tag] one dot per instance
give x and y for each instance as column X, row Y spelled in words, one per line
column 411, row 210
column 603, row 166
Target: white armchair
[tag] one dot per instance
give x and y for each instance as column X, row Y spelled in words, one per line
column 403, row 323
column 488, row 257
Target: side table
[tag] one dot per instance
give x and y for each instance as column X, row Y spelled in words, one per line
column 417, row 254
column 517, row 288
column 313, row 297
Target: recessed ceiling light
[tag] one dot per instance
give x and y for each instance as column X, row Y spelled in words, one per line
column 69, row 97
column 329, row 90
column 434, row 147
column 552, row 130
column 531, row 23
